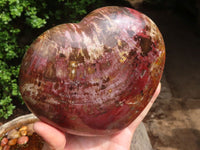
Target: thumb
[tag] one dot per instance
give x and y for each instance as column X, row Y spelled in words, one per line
column 54, row 138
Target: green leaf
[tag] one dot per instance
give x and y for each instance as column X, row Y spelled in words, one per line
column 13, row 1
column 5, row 17
column 36, row 22
column 16, row 10
column 31, row 11
column 14, row 89
column 15, row 31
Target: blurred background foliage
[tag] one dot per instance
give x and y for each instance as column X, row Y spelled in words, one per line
column 21, row 21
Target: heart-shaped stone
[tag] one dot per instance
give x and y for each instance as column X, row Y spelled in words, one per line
column 94, row 77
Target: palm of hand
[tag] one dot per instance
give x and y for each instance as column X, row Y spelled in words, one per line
column 58, row 140
column 120, row 141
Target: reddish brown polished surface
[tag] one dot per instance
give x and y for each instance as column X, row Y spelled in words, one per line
column 96, row 76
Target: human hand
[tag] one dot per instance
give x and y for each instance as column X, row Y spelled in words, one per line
column 56, row 140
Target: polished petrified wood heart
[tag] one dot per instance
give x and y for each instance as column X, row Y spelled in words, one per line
column 94, row 77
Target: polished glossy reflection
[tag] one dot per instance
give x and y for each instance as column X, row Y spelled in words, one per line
column 96, row 76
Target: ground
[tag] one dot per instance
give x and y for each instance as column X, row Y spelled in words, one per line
column 173, row 122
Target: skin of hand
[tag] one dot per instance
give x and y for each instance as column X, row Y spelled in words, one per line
column 56, row 140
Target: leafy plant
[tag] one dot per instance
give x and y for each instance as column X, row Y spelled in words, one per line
column 20, row 22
